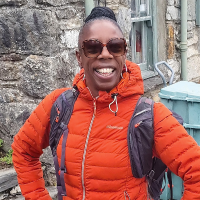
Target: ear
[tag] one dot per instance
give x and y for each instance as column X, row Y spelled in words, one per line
column 78, row 56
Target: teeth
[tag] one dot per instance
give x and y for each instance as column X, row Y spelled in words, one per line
column 105, row 70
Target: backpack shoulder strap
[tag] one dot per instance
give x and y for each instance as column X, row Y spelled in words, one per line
column 140, row 137
column 60, row 115
column 61, row 112
column 140, row 144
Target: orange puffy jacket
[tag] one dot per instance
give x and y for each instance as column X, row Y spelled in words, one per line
column 97, row 158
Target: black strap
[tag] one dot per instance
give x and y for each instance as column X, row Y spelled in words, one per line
column 165, row 183
column 169, row 177
column 58, row 129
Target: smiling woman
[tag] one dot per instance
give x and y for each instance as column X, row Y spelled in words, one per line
column 103, row 70
column 102, row 51
column 91, row 155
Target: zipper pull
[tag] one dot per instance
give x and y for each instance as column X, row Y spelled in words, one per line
column 95, row 107
column 136, row 125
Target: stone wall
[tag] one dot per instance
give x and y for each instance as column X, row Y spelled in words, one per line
column 38, row 39
column 173, row 22
column 37, row 43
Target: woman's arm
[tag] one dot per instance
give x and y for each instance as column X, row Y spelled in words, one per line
column 27, row 148
column 178, row 150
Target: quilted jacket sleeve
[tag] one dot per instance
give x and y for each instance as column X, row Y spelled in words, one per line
column 178, row 150
column 27, row 148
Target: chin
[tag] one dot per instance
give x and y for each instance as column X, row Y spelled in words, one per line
column 107, row 88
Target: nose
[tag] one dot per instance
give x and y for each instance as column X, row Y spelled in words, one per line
column 105, row 54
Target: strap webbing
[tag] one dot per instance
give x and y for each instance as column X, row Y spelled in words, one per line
column 59, row 187
column 62, row 165
column 169, row 177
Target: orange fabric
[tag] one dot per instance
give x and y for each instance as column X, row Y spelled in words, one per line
column 27, row 148
column 103, row 166
column 178, row 150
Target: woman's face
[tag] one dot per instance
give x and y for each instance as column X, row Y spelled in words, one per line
column 103, row 72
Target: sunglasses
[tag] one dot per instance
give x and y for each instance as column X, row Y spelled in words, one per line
column 93, row 48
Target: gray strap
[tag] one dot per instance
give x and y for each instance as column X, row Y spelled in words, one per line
column 59, row 187
column 62, row 165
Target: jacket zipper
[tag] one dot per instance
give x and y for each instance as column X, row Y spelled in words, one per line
column 85, row 149
column 126, row 195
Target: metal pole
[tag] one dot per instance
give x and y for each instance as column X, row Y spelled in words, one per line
column 183, row 44
column 155, row 31
column 89, row 5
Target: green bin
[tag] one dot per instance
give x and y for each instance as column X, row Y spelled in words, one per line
column 183, row 98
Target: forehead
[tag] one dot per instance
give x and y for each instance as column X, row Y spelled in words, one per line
column 102, row 30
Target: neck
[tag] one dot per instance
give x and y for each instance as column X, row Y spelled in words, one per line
column 94, row 94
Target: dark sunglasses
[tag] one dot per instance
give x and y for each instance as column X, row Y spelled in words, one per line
column 93, row 48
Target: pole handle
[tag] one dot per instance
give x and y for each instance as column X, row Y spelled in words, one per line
column 161, row 74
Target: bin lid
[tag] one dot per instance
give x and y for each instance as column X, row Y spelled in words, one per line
column 182, row 90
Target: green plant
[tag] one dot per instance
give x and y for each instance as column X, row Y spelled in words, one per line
column 1, row 142
column 8, row 158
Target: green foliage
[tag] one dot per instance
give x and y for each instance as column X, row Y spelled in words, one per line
column 1, row 142
column 8, row 158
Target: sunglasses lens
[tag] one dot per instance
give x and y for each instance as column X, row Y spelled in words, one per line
column 117, row 47
column 92, row 48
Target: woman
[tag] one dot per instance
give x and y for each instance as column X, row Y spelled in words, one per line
column 97, row 158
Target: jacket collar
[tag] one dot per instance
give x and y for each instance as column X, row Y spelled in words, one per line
column 131, row 84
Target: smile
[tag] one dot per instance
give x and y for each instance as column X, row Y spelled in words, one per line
column 105, row 71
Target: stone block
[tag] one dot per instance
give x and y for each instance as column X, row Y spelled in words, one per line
column 191, row 25
column 12, row 117
column 176, row 65
column 198, row 44
column 51, row 189
column 126, row 3
column 190, row 35
column 170, row 2
column 66, row 13
column 67, row 67
column 193, row 69
column 36, row 77
column 47, row 157
column 172, row 13
column 177, row 3
column 57, row 2
column 13, row 2
column 8, row 179
column 9, row 71
column 10, row 95
column 192, row 51
column 70, row 38
column 72, row 24
column 16, row 190
column 124, row 20
column 11, row 57
column 26, row 31
column 151, row 83
column 193, row 40
column 191, row 11
column 49, row 174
